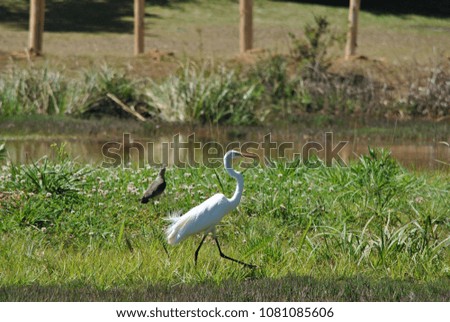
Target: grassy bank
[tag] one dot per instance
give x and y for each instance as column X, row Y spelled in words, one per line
column 274, row 88
column 67, row 226
column 306, row 76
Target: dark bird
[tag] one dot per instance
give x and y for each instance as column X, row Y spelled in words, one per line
column 156, row 187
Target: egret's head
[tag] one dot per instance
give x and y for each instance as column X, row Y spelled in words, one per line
column 230, row 155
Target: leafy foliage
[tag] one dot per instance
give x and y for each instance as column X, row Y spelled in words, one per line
column 312, row 50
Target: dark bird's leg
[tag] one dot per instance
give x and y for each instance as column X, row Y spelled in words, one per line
column 232, row 259
column 196, row 252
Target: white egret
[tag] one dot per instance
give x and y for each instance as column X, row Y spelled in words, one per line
column 156, row 187
column 205, row 217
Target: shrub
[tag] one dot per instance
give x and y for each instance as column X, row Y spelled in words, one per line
column 430, row 95
column 312, row 51
column 89, row 94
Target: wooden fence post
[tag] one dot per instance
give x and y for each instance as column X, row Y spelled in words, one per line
column 246, row 25
column 36, row 28
column 139, row 27
column 352, row 34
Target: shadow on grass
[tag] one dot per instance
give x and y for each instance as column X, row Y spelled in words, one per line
column 432, row 8
column 116, row 15
column 291, row 288
column 79, row 15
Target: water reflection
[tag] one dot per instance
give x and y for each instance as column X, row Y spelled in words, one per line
column 203, row 146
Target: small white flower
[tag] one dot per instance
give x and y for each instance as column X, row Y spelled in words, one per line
column 131, row 188
column 419, row 199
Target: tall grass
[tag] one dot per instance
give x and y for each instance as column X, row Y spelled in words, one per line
column 207, row 95
column 372, row 219
column 35, row 90
column 88, row 94
column 32, row 91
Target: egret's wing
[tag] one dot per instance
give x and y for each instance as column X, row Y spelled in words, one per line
column 200, row 218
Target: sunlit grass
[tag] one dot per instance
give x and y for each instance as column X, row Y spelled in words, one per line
column 371, row 219
column 297, row 85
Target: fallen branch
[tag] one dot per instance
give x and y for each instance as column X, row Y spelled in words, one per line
column 125, row 107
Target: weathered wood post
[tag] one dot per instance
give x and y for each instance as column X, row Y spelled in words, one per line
column 246, row 25
column 36, row 28
column 352, row 34
column 139, row 27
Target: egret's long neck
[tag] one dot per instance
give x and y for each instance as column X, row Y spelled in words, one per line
column 236, row 198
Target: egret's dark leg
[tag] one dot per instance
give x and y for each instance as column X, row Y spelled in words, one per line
column 196, row 252
column 232, row 259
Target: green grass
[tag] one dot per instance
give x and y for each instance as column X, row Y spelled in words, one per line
column 371, row 231
column 46, row 90
column 83, row 29
column 205, row 94
column 68, row 227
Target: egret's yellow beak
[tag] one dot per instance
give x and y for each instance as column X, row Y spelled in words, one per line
column 252, row 156
column 249, row 155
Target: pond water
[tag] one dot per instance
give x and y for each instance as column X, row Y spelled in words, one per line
column 190, row 147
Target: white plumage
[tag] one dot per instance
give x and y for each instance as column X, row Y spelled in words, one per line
column 200, row 218
column 204, row 217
